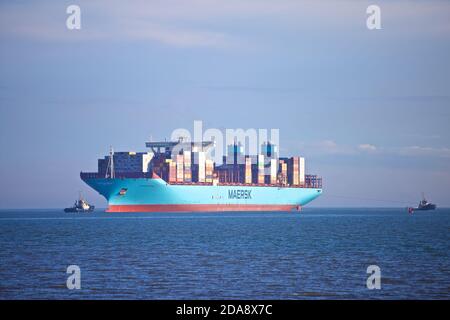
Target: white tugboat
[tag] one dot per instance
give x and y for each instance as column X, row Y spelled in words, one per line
column 80, row 205
column 424, row 205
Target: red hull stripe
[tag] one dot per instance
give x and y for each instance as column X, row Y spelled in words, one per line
column 198, row 208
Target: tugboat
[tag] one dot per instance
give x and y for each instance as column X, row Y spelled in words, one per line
column 424, row 205
column 80, row 205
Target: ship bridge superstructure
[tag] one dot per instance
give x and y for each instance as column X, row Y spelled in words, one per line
column 169, row 148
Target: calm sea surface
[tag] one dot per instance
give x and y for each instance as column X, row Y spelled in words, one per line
column 317, row 254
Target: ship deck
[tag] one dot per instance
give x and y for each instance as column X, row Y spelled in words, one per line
column 317, row 184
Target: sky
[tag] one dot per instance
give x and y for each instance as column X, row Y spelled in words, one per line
column 368, row 109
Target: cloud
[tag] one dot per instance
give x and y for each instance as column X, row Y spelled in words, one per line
column 422, row 136
column 112, row 21
column 424, row 151
column 178, row 37
column 333, row 148
column 330, row 147
column 366, row 147
column 211, row 23
column 134, row 31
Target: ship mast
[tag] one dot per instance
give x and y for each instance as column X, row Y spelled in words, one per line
column 111, row 156
column 110, row 164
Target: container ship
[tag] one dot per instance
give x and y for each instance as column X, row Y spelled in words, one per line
column 179, row 176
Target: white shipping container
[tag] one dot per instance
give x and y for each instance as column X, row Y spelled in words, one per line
column 146, row 158
column 302, row 171
column 273, row 171
column 201, row 166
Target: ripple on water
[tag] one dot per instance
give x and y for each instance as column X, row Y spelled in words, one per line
column 318, row 254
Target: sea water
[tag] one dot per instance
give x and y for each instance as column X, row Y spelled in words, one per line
column 315, row 254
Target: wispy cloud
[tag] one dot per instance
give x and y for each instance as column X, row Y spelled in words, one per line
column 424, row 151
column 135, row 31
column 422, row 136
column 111, row 21
column 330, row 147
column 367, row 147
column 208, row 23
column 177, row 37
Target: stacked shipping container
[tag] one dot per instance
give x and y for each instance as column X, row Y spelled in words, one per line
column 201, row 166
column 283, row 178
column 127, row 162
column 209, row 170
column 248, row 170
column 172, row 170
column 192, row 166
column 302, row 171
column 293, row 171
column 180, row 168
column 187, row 166
column 273, row 171
column 261, row 174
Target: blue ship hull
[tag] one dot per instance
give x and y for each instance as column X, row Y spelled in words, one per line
column 149, row 195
